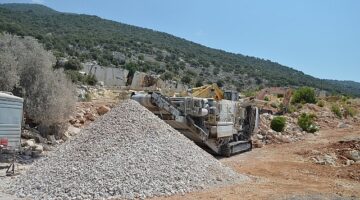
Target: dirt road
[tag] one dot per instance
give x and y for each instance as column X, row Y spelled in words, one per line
column 285, row 171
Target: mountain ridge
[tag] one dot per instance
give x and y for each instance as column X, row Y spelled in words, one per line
column 111, row 43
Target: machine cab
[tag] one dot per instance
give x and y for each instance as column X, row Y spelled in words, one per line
column 231, row 95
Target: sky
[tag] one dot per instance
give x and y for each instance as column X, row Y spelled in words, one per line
column 320, row 38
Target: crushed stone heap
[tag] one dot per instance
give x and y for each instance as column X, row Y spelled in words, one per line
column 128, row 153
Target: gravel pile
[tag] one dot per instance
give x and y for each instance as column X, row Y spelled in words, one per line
column 128, row 153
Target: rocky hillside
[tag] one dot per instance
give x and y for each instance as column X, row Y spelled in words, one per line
column 110, row 43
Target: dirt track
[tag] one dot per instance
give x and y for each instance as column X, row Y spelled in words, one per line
column 283, row 171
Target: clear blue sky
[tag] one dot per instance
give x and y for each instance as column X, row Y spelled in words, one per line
column 318, row 37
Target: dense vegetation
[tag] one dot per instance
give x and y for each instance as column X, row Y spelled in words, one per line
column 86, row 37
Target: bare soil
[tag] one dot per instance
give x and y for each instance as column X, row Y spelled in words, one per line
column 286, row 171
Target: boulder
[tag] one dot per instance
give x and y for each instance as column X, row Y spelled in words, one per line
column 65, row 136
column 51, row 139
column 38, row 148
column 284, row 139
column 33, row 134
column 299, row 134
column 326, row 160
column 77, row 125
column 37, row 151
column 73, row 130
column 260, row 137
column 353, row 155
column 90, row 116
column 257, row 144
column 102, row 110
column 79, row 115
column 30, row 143
column 27, row 151
column 72, row 120
column 330, row 159
column 342, row 125
column 349, row 162
column 82, row 120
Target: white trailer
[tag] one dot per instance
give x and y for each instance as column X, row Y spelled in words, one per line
column 11, row 115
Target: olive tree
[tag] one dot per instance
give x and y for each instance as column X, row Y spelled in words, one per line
column 49, row 96
column 9, row 76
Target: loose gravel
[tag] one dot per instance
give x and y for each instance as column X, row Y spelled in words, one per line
column 128, row 153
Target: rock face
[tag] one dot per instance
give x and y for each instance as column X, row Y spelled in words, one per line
column 108, row 75
column 128, row 153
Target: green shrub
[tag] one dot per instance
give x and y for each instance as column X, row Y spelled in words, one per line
column 90, row 80
column 292, row 109
column 141, row 57
column 282, row 107
column 191, row 73
column 349, row 111
column 304, row 95
column 132, row 68
column 250, row 93
column 299, row 106
column 73, row 64
column 220, row 83
column 186, row 79
column 216, row 71
column 321, row 103
column 273, row 105
column 336, row 110
column 167, row 76
column 306, row 122
column 87, row 97
column 77, row 77
column 278, row 124
column 74, row 75
column 345, row 98
column 199, row 83
column 266, row 98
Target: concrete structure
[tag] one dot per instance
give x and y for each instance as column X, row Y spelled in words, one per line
column 11, row 115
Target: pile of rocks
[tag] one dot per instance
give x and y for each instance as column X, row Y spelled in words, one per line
column 128, row 153
column 342, row 153
column 31, row 148
column 87, row 112
column 81, row 117
column 266, row 135
column 325, row 118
